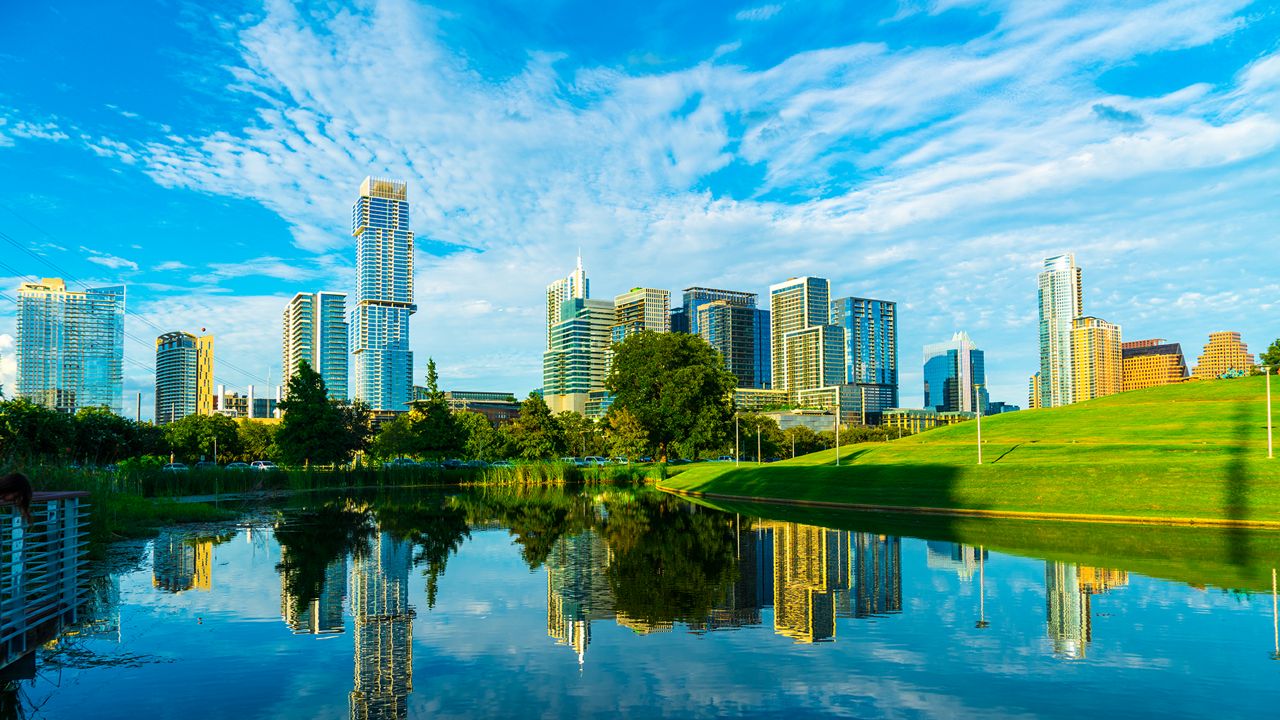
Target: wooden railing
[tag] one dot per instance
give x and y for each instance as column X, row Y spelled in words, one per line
column 42, row 571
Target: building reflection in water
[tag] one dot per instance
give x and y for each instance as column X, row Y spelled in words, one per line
column 963, row 559
column 578, row 591
column 180, row 563
column 753, row 587
column 1068, row 591
column 320, row 615
column 383, row 630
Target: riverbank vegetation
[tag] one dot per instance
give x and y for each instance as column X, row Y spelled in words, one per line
column 1193, row 451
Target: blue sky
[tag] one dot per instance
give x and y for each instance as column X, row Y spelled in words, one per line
column 928, row 152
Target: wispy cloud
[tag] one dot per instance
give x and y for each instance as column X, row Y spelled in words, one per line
column 171, row 265
column 107, row 260
column 8, row 366
column 757, row 14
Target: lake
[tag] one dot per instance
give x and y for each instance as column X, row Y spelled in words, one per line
column 609, row 602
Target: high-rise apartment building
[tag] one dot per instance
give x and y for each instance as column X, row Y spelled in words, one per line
column 795, row 305
column 955, row 376
column 576, row 364
column 763, row 350
column 696, row 297
column 871, row 349
column 813, row 357
column 1033, row 392
column 184, row 376
column 1097, row 370
column 1151, row 363
column 641, row 309
column 1224, row 353
column 574, row 287
column 1061, row 299
column 383, row 372
column 731, row 330
column 70, row 346
column 315, row 330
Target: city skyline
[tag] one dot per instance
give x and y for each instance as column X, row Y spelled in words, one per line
column 892, row 205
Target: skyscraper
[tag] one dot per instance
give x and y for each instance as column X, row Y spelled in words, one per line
column 315, row 330
column 70, row 346
column 731, row 330
column 384, row 295
column 575, row 363
column 953, row 372
column 795, row 305
column 184, row 376
column 1096, row 358
column 814, row 358
column 871, row 348
column 696, row 297
column 574, row 287
column 641, row 309
column 1224, row 353
column 1061, row 298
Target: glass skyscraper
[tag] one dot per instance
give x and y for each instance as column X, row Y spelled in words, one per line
column 70, row 346
column 576, row 363
column 796, row 305
column 384, row 295
column 955, row 376
column 184, row 376
column 315, row 330
column 871, row 348
column 1061, row 302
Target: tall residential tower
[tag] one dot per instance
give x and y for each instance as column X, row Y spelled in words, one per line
column 871, row 349
column 184, row 376
column 70, row 347
column 1061, row 302
column 384, row 295
column 315, row 330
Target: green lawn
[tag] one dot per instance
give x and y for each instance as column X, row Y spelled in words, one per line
column 1192, row 451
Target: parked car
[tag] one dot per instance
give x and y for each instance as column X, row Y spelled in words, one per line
column 237, row 467
column 646, row 459
column 263, row 465
column 475, row 464
column 429, row 464
column 451, row 464
column 680, row 461
column 724, row 458
column 502, row 464
column 174, row 467
column 621, row 461
column 206, row 465
column 594, row 461
column 569, row 460
column 400, row 462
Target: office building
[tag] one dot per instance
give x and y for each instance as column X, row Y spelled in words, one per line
column 1096, row 358
column 318, row 615
column 383, row 362
column 499, row 408
column 70, row 346
column 184, row 376
column 574, row 287
column 315, row 330
column 576, row 363
column 640, row 309
column 795, row 305
column 695, row 297
column 875, row 575
column 998, row 407
column 1151, row 363
column 813, row 357
column 1061, row 300
column 871, row 349
column 962, row 559
column 731, row 330
column 1224, row 354
column 754, row 399
column 763, row 350
column 955, row 376
column 910, row 420
column 847, row 397
column 679, row 320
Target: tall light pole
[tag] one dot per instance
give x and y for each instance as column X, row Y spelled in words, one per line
column 737, row 444
column 982, row 590
column 837, row 409
column 759, row 460
column 978, row 406
column 1266, row 370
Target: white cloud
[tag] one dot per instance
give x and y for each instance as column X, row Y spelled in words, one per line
column 113, row 262
column 756, row 14
column 172, row 265
column 8, row 366
column 935, row 175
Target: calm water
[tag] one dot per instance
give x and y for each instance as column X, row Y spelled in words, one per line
column 617, row 602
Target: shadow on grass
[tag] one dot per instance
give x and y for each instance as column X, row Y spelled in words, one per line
column 1236, row 500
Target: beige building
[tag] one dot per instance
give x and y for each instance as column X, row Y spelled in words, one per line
column 795, row 305
column 1097, row 367
column 753, row 399
column 1152, row 363
column 1033, row 392
column 1224, row 352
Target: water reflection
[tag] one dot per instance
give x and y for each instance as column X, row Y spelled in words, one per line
column 1069, row 592
column 383, row 620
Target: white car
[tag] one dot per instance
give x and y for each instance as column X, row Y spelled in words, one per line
column 263, row 465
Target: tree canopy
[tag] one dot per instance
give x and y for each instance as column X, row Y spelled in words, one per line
column 312, row 428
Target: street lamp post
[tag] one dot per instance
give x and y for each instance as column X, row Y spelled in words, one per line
column 1266, row 370
column 737, row 444
column 837, row 431
column 982, row 591
column 978, row 406
column 758, row 458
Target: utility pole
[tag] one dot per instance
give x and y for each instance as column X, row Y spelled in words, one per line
column 138, row 417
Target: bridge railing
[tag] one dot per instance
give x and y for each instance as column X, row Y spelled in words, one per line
column 42, row 570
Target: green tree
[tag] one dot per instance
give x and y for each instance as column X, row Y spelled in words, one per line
column 1271, row 356
column 395, row 438
column 581, row 434
column 311, row 430
column 257, row 440
column 752, row 426
column 31, row 432
column 676, row 386
column 194, row 437
column 356, row 422
column 536, row 433
column 803, row 440
column 432, row 420
column 102, row 436
column 480, row 440
column 625, row 435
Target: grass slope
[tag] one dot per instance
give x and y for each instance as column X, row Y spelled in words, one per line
column 1194, row 450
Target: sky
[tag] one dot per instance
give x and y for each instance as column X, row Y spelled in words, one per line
column 930, row 152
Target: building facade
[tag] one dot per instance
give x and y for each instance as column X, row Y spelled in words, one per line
column 1151, row 363
column 871, row 348
column 813, row 358
column 1033, row 392
column 184, row 376
column 695, row 297
column 315, row 330
column 795, row 305
column 574, row 287
column 1061, row 300
column 640, row 309
column 1224, row 353
column 379, row 341
column 576, row 363
column 1096, row 358
column 731, row 330
column 914, row 421
column 955, row 376
column 70, row 346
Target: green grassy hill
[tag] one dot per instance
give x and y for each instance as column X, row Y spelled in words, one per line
column 1190, row 451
